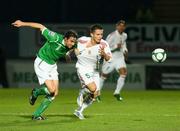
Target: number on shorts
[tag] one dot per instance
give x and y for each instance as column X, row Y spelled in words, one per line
column 87, row 75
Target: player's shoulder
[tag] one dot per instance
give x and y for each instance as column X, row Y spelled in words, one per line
column 112, row 33
column 83, row 39
column 103, row 43
column 124, row 34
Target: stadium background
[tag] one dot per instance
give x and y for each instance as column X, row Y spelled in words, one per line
column 150, row 24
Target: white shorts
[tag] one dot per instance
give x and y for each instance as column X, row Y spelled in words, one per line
column 88, row 76
column 45, row 71
column 108, row 67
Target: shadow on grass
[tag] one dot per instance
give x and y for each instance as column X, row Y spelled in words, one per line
column 49, row 116
column 51, row 119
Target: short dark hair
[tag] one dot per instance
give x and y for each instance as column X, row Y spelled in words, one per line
column 70, row 33
column 95, row 27
column 121, row 22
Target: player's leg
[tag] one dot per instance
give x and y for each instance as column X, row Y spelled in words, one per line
column 87, row 93
column 56, row 84
column 107, row 68
column 121, row 80
column 87, row 100
column 42, row 90
column 87, row 83
column 52, row 87
column 45, row 89
column 82, row 94
column 47, row 75
column 41, row 68
column 83, row 91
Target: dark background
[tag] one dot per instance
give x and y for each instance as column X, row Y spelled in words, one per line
column 67, row 11
column 81, row 11
column 54, row 12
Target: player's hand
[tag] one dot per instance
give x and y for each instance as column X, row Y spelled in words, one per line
column 126, row 55
column 76, row 51
column 17, row 23
column 102, row 52
column 119, row 45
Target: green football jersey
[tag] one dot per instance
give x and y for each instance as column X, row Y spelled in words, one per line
column 54, row 48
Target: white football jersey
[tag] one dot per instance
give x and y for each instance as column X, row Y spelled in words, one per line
column 90, row 57
column 113, row 40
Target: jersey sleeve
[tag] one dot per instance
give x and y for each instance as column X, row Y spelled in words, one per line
column 50, row 35
column 107, row 49
column 82, row 39
column 110, row 39
column 124, row 47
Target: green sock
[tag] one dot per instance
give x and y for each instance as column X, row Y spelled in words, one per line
column 44, row 105
column 41, row 91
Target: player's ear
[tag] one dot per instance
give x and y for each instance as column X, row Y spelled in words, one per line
column 91, row 34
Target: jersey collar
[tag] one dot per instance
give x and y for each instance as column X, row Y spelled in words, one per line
column 63, row 42
column 118, row 32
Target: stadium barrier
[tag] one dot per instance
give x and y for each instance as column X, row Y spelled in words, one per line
column 163, row 77
column 21, row 74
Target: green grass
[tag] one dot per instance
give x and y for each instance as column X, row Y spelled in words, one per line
column 140, row 110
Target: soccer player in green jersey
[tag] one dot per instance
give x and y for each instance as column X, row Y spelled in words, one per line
column 55, row 47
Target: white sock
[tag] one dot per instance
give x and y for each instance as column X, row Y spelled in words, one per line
column 85, row 104
column 120, row 84
column 82, row 92
column 101, row 83
column 81, row 109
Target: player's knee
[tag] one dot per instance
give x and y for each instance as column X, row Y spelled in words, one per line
column 51, row 90
column 123, row 72
column 56, row 93
column 92, row 90
column 52, row 94
column 104, row 76
column 50, row 97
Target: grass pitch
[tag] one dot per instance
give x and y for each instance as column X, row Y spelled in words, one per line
column 140, row 110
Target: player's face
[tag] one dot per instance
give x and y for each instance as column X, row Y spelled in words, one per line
column 70, row 42
column 97, row 35
column 121, row 27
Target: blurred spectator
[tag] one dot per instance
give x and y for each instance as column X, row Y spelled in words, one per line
column 3, row 76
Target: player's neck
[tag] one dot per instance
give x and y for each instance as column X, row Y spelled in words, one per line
column 93, row 42
column 120, row 32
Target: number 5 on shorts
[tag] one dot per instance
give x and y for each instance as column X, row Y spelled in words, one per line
column 87, row 75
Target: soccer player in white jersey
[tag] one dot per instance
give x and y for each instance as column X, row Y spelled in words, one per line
column 117, row 43
column 89, row 52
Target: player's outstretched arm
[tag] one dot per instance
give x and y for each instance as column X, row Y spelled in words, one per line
column 19, row 23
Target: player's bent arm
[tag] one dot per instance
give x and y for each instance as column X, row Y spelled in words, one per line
column 107, row 57
column 124, row 46
column 109, row 40
column 107, row 53
column 68, row 55
column 19, row 23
